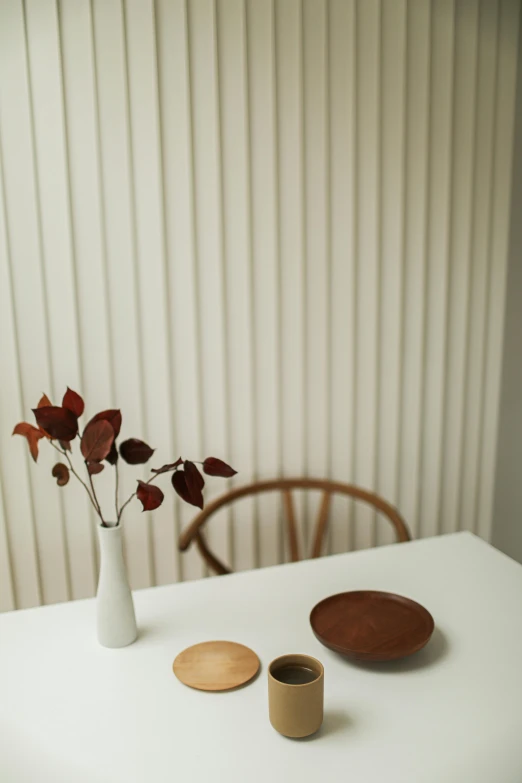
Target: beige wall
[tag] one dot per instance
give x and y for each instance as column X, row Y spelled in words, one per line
column 274, row 231
column 507, row 512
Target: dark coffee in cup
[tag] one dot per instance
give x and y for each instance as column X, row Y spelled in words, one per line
column 293, row 674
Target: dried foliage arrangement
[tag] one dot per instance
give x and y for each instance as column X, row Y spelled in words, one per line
column 98, row 446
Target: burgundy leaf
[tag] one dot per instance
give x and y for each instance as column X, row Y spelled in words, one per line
column 167, row 468
column 194, row 477
column 66, row 446
column 73, row 402
column 112, row 456
column 112, row 416
column 179, row 483
column 44, row 402
column 94, row 467
column 150, row 496
column 194, row 482
column 216, row 467
column 59, row 423
column 61, row 474
column 97, row 440
column 33, row 435
column 135, row 451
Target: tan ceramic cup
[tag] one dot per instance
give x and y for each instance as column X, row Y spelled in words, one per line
column 296, row 710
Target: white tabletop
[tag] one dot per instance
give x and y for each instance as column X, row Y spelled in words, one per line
column 75, row 712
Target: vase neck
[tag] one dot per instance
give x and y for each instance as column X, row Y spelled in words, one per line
column 110, row 540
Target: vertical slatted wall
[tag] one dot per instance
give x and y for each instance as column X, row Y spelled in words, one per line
column 270, row 230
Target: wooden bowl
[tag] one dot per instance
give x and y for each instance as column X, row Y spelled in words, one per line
column 368, row 625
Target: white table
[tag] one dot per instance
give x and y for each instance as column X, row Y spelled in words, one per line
column 72, row 711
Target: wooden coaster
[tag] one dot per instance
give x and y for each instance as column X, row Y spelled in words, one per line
column 216, row 666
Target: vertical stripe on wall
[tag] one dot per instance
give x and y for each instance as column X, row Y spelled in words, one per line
column 269, row 230
column 393, row 73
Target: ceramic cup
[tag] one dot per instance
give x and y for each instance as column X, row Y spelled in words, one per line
column 296, row 695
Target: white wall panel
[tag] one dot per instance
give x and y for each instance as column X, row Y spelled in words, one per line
column 342, row 121
column 273, row 231
column 209, row 256
column 367, row 229
column 266, row 303
column 153, row 296
column 417, row 139
column 487, row 85
column 180, row 238
column 439, row 217
column 117, row 193
column 20, row 538
column 292, row 242
column 509, row 13
column 54, row 198
column 87, row 214
column 29, row 286
column 391, row 286
column 237, row 239
column 460, row 255
column 317, row 209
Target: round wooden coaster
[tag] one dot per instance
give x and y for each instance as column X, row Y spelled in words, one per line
column 216, row 666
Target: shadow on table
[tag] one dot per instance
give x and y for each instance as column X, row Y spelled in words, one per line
column 334, row 721
column 435, row 651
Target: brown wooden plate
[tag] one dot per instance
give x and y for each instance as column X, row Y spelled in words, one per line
column 368, row 625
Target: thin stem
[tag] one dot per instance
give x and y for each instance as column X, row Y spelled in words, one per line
column 94, row 491
column 116, row 490
column 71, row 468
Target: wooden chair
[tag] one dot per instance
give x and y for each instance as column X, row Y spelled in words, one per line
column 194, row 530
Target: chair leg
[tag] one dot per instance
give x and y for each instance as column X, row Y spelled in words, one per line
column 292, row 529
column 321, row 524
column 209, row 558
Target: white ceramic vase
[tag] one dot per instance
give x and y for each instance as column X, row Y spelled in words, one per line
column 115, row 609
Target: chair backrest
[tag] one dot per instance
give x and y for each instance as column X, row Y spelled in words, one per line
column 285, row 486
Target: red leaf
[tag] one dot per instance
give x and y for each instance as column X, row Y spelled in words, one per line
column 94, row 467
column 112, row 456
column 194, row 477
column 59, row 423
column 179, row 483
column 73, row 402
column 194, row 482
column 32, row 434
column 135, row 451
column 97, row 440
column 166, row 468
column 66, row 446
column 112, row 416
column 216, row 467
column 44, row 402
column 150, row 496
column 61, row 474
